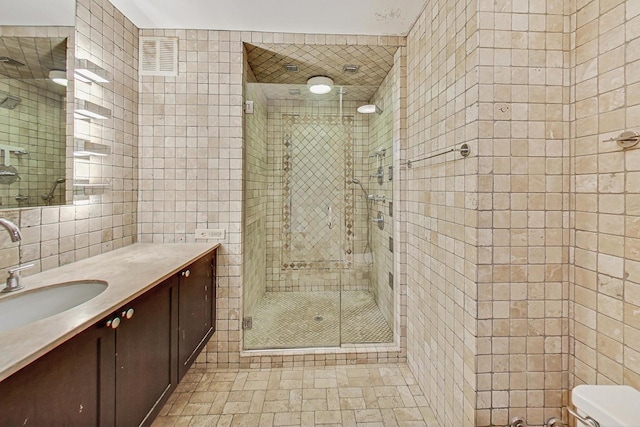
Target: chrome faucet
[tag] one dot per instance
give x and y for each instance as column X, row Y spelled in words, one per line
column 13, row 281
column 12, row 229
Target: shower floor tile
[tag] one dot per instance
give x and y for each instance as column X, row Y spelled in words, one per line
column 312, row 319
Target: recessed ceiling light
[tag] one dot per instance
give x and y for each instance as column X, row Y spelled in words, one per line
column 350, row 69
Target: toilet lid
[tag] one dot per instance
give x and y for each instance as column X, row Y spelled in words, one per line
column 609, row 405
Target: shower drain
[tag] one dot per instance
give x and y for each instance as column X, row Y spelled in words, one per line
column 318, row 318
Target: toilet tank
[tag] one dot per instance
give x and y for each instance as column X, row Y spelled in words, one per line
column 609, row 405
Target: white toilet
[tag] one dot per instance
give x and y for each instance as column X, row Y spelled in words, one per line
column 609, row 405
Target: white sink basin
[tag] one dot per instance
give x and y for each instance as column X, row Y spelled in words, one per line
column 28, row 306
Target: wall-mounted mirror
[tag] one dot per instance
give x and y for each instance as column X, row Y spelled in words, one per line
column 36, row 130
column 33, row 120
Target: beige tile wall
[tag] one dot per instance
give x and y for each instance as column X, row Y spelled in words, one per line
column 191, row 169
column 381, row 138
column 493, row 229
column 486, row 238
column 523, row 207
column 440, row 208
column 191, row 165
column 604, row 276
column 54, row 236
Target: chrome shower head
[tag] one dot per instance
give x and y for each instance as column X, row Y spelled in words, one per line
column 60, row 180
column 355, row 181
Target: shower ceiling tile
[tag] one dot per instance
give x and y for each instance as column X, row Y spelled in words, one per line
column 268, row 60
column 39, row 55
column 283, row 91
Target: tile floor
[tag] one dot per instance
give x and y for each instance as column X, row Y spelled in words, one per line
column 316, row 319
column 352, row 395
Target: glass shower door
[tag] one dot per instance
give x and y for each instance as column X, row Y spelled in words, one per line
column 297, row 165
column 313, row 224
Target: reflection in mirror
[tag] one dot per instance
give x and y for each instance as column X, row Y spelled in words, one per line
column 32, row 121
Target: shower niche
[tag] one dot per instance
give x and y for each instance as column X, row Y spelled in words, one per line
column 316, row 263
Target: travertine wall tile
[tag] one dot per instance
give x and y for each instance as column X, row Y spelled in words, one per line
column 95, row 223
column 192, row 162
column 604, row 103
column 440, row 201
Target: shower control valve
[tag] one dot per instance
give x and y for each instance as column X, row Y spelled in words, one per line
column 379, row 220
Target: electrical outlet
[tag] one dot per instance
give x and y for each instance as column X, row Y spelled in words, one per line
column 210, row 233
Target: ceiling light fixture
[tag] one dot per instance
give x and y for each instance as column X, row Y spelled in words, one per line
column 369, row 109
column 59, row 77
column 320, row 85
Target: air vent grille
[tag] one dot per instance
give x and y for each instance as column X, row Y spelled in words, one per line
column 159, row 56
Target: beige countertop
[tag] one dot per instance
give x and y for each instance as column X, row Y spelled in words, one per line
column 130, row 271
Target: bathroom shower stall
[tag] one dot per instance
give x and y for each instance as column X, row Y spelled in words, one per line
column 318, row 261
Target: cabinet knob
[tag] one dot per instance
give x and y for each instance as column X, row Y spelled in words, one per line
column 186, row 273
column 128, row 314
column 113, row 323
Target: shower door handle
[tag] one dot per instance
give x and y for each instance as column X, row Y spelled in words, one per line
column 330, row 223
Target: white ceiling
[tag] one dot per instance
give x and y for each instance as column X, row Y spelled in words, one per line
column 374, row 17
column 38, row 12
column 380, row 17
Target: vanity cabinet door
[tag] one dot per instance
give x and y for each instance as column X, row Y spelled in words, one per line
column 70, row 385
column 196, row 310
column 145, row 362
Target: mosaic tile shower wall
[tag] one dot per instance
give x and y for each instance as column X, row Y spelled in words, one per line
column 316, row 161
column 311, row 150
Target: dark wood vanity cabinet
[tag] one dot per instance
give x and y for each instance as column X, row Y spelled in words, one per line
column 196, row 310
column 64, row 387
column 116, row 373
column 120, row 371
column 145, row 368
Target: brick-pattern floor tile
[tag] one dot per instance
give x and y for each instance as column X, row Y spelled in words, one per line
column 347, row 396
